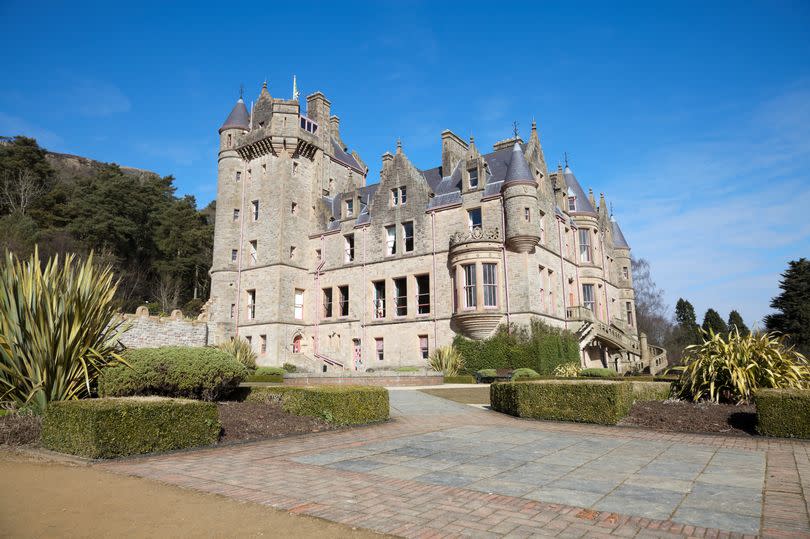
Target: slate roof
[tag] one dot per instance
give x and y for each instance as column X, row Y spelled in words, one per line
column 582, row 204
column 344, row 157
column 238, row 118
column 518, row 169
column 618, row 238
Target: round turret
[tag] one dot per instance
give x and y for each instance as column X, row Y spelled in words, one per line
column 520, row 204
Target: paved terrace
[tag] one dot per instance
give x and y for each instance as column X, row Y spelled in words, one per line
column 446, row 469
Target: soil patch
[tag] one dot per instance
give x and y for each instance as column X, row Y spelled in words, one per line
column 20, row 429
column 43, row 499
column 703, row 417
column 464, row 395
column 243, row 421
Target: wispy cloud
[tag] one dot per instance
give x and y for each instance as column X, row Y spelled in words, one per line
column 719, row 216
column 98, row 99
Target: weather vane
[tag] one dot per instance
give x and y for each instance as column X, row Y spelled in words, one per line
column 515, row 129
column 241, row 91
column 565, row 155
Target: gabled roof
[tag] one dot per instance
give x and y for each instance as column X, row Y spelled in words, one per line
column 238, row 118
column 618, row 238
column 582, row 204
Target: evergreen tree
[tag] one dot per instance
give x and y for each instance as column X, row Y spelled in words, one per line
column 686, row 331
column 712, row 321
column 685, row 314
column 735, row 320
column 793, row 306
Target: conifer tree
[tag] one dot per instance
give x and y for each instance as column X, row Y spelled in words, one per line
column 793, row 306
column 736, row 320
column 712, row 321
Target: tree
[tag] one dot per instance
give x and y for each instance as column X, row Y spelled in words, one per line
column 793, row 306
column 735, row 320
column 686, row 331
column 651, row 312
column 712, row 321
column 24, row 173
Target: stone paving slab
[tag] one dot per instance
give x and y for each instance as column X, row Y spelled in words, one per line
column 444, row 469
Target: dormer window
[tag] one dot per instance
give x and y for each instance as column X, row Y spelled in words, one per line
column 349, row 207
column 474, row 178
column 572, row 203
column 399, row 196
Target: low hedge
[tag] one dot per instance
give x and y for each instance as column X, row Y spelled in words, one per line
column 460, row 379
column 783, row 412
column 270, row 371
column 524, row 374
column 651, row 391
column 117, row 427
column 341, row 405
column 174, row 371
column 598, row 372
column 271, row 378
column 587, row 401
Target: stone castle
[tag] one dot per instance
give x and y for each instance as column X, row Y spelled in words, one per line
column 316, row 267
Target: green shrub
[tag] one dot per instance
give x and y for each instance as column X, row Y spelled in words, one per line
column 289, row 367
column 174, row 371
column 241, row 351
column 107, row 428
column 568, row 370
column 598, row 373
column 588, row 401
column 487, row 373
column 270, row 371
column 58, row 326
column 539, row 347
column 460, row 379
column 651, row 391
column 407, row 369
column 341, row 405
column 266, row 378
column 783, row 412
column 524, row 374
column 732, row 367
column 447, row 359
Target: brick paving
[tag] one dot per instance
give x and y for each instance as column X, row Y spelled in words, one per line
column 444, row 469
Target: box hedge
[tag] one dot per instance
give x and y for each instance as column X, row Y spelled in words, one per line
column 783, row 412
column 650, row 391
column 598, row 372
column 341, row 405
column 524, row 374
column 117, row 427
column 539, row 347
column 587, row 401
column 174, row 371
column 460, row 379
column 267, row 374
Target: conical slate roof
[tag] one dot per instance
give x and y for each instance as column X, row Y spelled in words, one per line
column 582, row 204
column 618, row 238
column 518, row 170
column 238, row 118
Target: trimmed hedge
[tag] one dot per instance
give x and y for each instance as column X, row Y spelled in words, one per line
column 270, row 371
column 598, row 372
column 783, row 412
column 117, row 427
column 584, row 401
column 539, row 347
column 341, row 405
column 289, row 367
column 174, row 371
column 271, row 378
column 651, row 391
column 460, row 379
column 524, row 374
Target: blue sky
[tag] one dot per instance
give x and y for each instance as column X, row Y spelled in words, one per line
column 692, row 117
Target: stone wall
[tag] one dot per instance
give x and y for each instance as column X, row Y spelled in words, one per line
column 152, row 331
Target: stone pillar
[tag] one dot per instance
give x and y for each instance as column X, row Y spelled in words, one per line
column 645, row 351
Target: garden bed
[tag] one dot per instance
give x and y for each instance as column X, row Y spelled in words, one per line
column 703, row 417
column 243, row 421
column 22, row 429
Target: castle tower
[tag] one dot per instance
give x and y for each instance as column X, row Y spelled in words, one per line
column 520, row 204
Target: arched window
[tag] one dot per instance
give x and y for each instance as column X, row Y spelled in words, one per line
column 297, row 344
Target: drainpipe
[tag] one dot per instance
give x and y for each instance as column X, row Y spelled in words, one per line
column 505, row 266
column 562, row 272
column 316, row 344
column 241, row 252
column 433, row 280
column 365, row 299
column 604, row 268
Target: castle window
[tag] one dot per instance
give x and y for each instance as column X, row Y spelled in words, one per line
column 629, row 307
column 379, row 299
column 297, row 344
column 391, row 240
column 327, row 303
column 298, row 306
column 474, row 178
column 251, row 304
column 318, row 255
column 234, row 255
column 527, row 214
column 233, row 310
column 262, row 344
column 395, row 197
column 401, row 295
column 292, row 252
column 543, row 289
column 378, row 342
column 469, row 286
column 551, row 304
column 254, row 252
column 490, row 284
column 264, row 168
column 236, row 214
column 407, row 236
column 424, row 348
column 572, row 203
column 344, row 300
column 238, row 175
column 403, row 196
column 625, row 273
column 249, row 174
column 348, row 243
column 295, row 168
column 474, row 218
column 423, row 294
column 249, row 340
column 229, row 140
column 349, row 207
column 294, row 208
column 584, row 245
column 255, row 208
column 588, row 298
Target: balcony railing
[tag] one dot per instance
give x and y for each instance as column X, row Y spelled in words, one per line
column 475, row 234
